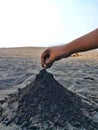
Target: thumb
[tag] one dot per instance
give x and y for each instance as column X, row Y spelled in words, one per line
column 49, row 62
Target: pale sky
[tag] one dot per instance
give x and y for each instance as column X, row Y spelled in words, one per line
column 45, row 22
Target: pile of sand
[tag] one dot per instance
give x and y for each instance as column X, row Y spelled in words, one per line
column 45, row 104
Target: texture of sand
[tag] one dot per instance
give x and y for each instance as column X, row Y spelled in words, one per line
column 19, row 66
column 22, row 52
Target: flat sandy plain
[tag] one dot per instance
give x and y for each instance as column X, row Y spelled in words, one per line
column 19, row 66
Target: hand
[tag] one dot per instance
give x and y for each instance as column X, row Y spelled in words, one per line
column 52, row 54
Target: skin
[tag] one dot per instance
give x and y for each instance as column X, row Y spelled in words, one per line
column 84, row 43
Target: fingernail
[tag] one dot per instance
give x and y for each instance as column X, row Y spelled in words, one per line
column 45, row 66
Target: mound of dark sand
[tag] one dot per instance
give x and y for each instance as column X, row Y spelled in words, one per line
column 45, row 104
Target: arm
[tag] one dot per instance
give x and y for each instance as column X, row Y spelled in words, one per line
column 84, row 43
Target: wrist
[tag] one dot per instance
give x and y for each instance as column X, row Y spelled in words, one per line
column 67, row 50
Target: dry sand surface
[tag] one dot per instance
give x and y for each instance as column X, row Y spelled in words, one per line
column 19, row 66
column 21, row 52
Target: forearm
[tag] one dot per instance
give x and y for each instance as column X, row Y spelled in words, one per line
column 84, row 43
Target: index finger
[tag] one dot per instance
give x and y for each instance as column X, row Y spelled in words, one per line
column 44, row 57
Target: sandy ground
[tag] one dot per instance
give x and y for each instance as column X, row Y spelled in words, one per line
column 18, row 67
column 21, row 52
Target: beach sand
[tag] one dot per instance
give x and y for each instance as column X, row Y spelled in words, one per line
column 19, row 66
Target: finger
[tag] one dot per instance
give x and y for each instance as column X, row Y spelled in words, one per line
column 44, row 56
column 49, row 62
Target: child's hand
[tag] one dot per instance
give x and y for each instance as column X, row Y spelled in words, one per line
column 52, row 54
